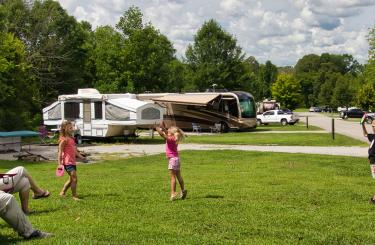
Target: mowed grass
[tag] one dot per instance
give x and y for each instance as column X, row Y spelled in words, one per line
column 277, row 127
column 282, row 139
column 234, row 197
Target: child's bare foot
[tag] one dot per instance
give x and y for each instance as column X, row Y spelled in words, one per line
column 76, row 199
column 62, row 194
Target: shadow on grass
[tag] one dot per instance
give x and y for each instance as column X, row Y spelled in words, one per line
column 89, row 196
column 213, row 196
column 10, row 240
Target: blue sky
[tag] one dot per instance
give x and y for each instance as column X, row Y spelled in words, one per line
column 282, row 31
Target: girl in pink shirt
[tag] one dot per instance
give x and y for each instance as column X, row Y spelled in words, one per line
column 67, row 156
column 172, row 136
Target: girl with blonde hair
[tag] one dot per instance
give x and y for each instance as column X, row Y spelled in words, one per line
column 173, row 136
column 67, row 154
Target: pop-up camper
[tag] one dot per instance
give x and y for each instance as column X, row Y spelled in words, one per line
column 102, row 115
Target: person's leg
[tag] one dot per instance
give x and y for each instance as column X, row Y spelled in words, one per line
column 172, row 173
column 182, row 185
column 24, row 198
column 22, row 174
column 65, row 188
column 73, row 184
column 13, row 215
column 180, row 180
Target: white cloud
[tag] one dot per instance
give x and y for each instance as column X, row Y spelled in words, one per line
column 281, row 31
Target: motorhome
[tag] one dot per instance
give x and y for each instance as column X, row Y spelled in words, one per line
column 232, row 110
column 267, row 105
column 102, row 115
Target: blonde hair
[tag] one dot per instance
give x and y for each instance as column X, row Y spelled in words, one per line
column 64, row 128
column 177, row 133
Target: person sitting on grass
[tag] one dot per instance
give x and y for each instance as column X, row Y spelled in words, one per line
column 19, row 180
column 172, row 136
column 12, row 214
column 371, row 150
column 67, row 156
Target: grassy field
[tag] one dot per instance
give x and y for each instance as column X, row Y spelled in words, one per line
column 277, row 127
column 294, row 139
column 234, row 198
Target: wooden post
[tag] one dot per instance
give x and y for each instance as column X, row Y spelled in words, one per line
column 333, row 128
column 307, row 122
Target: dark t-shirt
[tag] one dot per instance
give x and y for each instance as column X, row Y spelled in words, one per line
column 371, row 149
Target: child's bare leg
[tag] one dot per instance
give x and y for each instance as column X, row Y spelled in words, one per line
column 73, row 184
column 180, row 180
column 173, row 182
column 65, row 188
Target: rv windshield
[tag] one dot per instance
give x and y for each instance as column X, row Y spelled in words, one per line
column 247, row 108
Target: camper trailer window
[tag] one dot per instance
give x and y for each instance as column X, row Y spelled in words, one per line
column 98, row 110
column 55, row 112
column 150, row 114
column 116, row 113
column 71, row 110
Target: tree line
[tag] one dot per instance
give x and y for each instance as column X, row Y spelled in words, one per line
column 45, row 52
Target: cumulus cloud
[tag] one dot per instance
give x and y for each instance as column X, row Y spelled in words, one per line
column 281, row 31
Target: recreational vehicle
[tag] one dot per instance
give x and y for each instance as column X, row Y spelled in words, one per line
column 102, row 115
column 229, row 110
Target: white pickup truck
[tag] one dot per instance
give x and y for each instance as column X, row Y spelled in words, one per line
column 277, row 116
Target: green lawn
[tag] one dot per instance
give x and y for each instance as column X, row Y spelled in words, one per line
column 293, row 139
column 234, row 198
column 277, row 127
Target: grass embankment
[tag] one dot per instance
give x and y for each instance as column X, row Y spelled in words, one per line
column 292, row 139
column 234, row 198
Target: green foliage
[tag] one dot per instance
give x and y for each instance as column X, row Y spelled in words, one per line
column 130, row 21
column 108, row 56
column 287, row 91
column 148, row 56
column 366, row 97
column 16, row 93
column 214, row 58
column 318, row 76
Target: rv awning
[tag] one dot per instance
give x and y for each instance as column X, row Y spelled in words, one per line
column 188, row 99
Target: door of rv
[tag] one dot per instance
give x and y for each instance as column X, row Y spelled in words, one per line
column 87, row 118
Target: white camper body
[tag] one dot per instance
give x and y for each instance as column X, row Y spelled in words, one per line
column 102, row 115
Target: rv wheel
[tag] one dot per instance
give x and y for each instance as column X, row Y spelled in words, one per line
column 78, row 139
column 224, row 127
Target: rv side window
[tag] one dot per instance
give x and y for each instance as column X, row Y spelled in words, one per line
column 71, row 110
column 55, row 112
column 113, row 112
column 98, row 110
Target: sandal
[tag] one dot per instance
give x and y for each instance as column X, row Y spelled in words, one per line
column 44, row 194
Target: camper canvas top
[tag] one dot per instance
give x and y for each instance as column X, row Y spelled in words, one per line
column 93, row 94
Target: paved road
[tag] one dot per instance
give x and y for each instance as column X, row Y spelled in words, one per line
column 351, row 129
column 130, row 150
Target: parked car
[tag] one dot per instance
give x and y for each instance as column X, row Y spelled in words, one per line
column 315, row 109
column 352, row 113
column 287, row 111
column 277, row 116
column 341, row 108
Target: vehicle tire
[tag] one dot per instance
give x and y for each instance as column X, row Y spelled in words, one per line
column 259, row 122
column 369, row 120
column 345, row 116
column 284, row 122
column 78, row 139
column 224, row 127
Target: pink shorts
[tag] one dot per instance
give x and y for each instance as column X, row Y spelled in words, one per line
column 174, row 163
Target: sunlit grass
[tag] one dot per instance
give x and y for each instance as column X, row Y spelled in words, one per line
column 234, row 198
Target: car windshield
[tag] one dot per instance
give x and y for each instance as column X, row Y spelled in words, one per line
column 247, row 108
